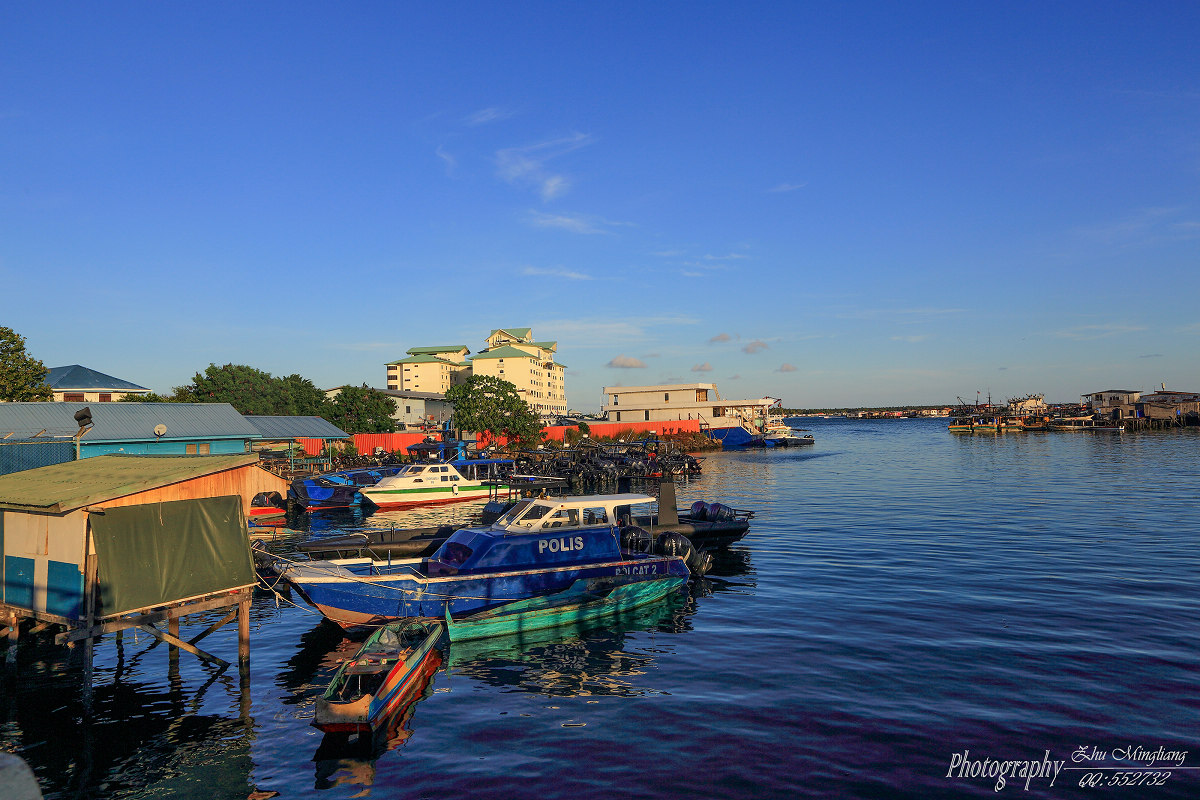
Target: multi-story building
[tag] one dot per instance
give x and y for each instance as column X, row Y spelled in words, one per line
column 429, row 369
column 733, row 422
column 511, row 354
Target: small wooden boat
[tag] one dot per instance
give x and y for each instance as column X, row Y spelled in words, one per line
column 266, row 506
column 583, row 602
column 385, row 673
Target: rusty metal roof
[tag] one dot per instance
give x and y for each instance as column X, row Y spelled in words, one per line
column 75, row 484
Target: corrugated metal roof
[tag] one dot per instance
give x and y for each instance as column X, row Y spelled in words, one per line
column 123, row 422
column 65, row 487
column 76, row 377
column 296, row 427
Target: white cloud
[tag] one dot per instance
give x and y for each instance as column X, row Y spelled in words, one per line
column 1086, row 333
column 451, row 161
column 720, row 337
column 916, row 338
column 727, row 257
column 556, row 273
column 526, row 166
column 600, row 332
column 626, row 362
column 574, row 223
column 705, row 367
column 755, row 346
column 786, row 368
column 486, row 115
column 787, row 187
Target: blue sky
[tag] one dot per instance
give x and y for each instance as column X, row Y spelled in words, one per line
column 834, row 204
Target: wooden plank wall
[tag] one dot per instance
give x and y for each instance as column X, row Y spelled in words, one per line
column 245, row 481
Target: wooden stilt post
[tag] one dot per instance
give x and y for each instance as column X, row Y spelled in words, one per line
column 172, row 650
column 244, row 632
column 14, row 634
column 90, row 590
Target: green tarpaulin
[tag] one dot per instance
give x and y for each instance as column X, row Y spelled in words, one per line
column 158, row 553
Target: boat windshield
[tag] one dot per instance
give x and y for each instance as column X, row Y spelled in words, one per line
column 527, row 511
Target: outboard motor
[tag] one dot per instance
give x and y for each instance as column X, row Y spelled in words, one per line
column 699, row 510
column 720, row 513
column 676, row 544
column 636, row 540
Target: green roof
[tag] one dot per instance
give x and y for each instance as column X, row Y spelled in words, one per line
column 431, row 351
column 423, row 359
column 504, row 351
column 75, row 484
column 546, row 345
column 519, row 333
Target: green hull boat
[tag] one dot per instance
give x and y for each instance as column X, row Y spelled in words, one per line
column 582, row 602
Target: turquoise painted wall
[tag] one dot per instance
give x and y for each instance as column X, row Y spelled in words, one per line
column 176, row 447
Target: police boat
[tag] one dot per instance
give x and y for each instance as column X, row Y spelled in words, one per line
column 541, row 546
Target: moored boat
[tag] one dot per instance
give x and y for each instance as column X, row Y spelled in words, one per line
column 583, row 602
column 427, row 483
column 707, row 526
column 385, row 672
column 540, row 547
column 341, row 489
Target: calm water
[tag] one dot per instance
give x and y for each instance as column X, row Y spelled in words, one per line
column 903, row 596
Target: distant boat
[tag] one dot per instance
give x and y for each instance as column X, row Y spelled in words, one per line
column 385, row 672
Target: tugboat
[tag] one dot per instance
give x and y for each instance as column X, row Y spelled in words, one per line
column 540, row 547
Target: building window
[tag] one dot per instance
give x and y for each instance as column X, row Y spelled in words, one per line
column 189, row 449
column 408, row 409
column 647, row 415
column 205, row 448
column 105, row 398
column 618, row 416
column 666, row 397
column 73, row 397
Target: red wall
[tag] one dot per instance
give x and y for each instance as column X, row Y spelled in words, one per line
column 367, row 442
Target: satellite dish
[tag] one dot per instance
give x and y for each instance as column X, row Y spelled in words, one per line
column 160, row 429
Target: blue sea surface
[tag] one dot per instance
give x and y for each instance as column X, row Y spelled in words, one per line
column 909, row 607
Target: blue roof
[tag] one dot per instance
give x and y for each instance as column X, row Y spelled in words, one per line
column 296, row 427
column 123, row 422
column 76, row 377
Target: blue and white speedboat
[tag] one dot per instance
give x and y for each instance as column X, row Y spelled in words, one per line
column 539, row 547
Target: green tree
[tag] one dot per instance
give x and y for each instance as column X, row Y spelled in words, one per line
column 485, row 404
column 22, row 377
column 361, row 409
column 252, row 391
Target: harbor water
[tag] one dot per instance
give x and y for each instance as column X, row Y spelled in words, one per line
column 913, row 614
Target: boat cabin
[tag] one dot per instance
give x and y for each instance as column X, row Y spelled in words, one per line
column 546, row 532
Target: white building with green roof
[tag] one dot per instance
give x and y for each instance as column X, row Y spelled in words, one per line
column 511, row 354
column 429, row 369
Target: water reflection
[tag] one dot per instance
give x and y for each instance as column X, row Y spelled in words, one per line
column 132, row 737
column 575, row 660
